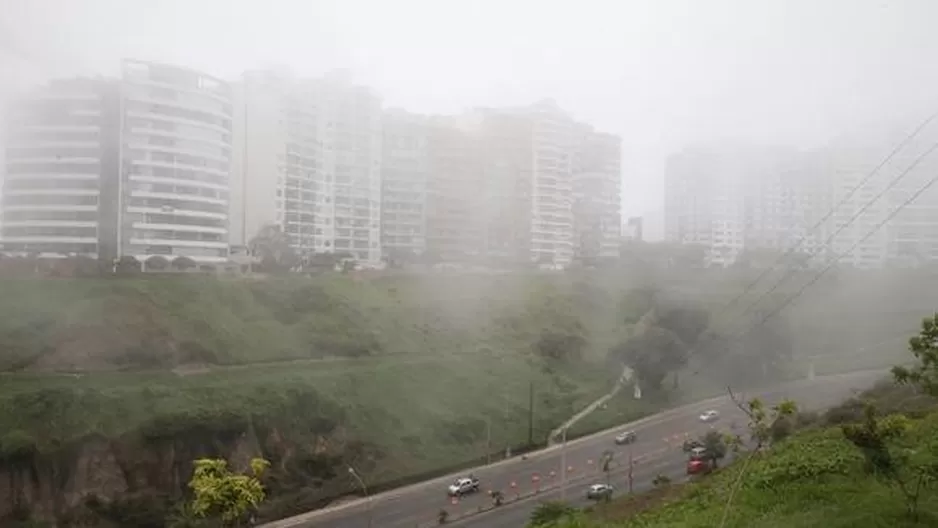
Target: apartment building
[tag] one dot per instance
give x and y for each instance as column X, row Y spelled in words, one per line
column 596, row 196
column 910, row 236
column 175, row 162
column 404, row 179
column 136, row 166
column 457, row 194
column 501, row 187
column 743, row 198
column 308, row 161
column 61, row 170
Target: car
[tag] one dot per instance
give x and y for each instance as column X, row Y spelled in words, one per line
column 697, row 453
column 709, row 416
column 463, row 486
column 696, row 466
column 599, row 491
column 625, row 437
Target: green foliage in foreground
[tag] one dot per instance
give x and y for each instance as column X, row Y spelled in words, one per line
column 816, row 478
column 220, row 493
column 872, row 470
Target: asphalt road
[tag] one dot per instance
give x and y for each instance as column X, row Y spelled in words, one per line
column 656, row 451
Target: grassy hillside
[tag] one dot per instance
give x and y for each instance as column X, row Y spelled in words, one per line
column 400, row 376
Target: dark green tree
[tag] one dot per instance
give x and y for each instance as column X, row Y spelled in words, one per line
column 652, row 355
column 272, row 247
column 715, row 447
column 924, row 347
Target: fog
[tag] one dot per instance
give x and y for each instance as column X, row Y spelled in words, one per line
column 210, row 308
column 662, row 74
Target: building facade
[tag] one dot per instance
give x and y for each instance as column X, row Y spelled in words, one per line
column 136, row 166
column 743, row 199
column 308, row 160
column 61, row 170
column 405, row 171
column 175, row 162
column 596, row 197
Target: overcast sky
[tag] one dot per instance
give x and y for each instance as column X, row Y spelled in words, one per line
column 660, row 73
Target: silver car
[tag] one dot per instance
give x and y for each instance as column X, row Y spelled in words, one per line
column 625, row 437
column 599, row 491
column 709, row 416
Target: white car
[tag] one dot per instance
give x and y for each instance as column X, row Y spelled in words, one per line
column 463, row 486
column 709, row 416
column 599, row 491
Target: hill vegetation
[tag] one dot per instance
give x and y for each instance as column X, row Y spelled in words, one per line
column 111, row 387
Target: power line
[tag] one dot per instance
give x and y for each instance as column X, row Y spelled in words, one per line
column 895, row 181
column 830, row 213
column 797, row 294
column 873, row 231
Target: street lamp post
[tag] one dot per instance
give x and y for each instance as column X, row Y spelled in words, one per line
column 361, row 482
column 631, row 465
column 563, row 465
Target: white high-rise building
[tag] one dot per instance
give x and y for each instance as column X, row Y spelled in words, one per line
column 175, row 163
column 745, row 198
column 597, row 196
column 309, row 161
column 61, row 157
column 137, row 166
column 406, row 170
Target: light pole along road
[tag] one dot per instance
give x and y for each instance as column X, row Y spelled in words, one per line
column 657, row 450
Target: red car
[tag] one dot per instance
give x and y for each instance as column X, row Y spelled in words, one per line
column 697, row 466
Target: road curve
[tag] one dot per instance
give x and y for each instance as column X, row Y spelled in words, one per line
column 657, row 451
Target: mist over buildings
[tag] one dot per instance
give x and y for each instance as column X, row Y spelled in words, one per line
column 741, row 93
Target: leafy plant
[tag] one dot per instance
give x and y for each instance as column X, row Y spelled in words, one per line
column 876, row 438
column 217, row 492
column 924, row 347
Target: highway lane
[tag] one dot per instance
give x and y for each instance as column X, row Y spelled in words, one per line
column 659, row 442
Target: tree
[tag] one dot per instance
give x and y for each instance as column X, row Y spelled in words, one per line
column 910, row 472
column 652, row 355
column 397, row 258
column 761, row 419
column 321, row 261
column 127, row 265
column 272, row 247
column 219, row 493
column 183, row 263
column 686, row 322
column 714, row 447
column 157, row 263
column 924, row 347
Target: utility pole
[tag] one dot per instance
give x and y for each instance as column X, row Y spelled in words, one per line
column 531, row 415
column 631, row 465
column 563, row 466
column 488, row 440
